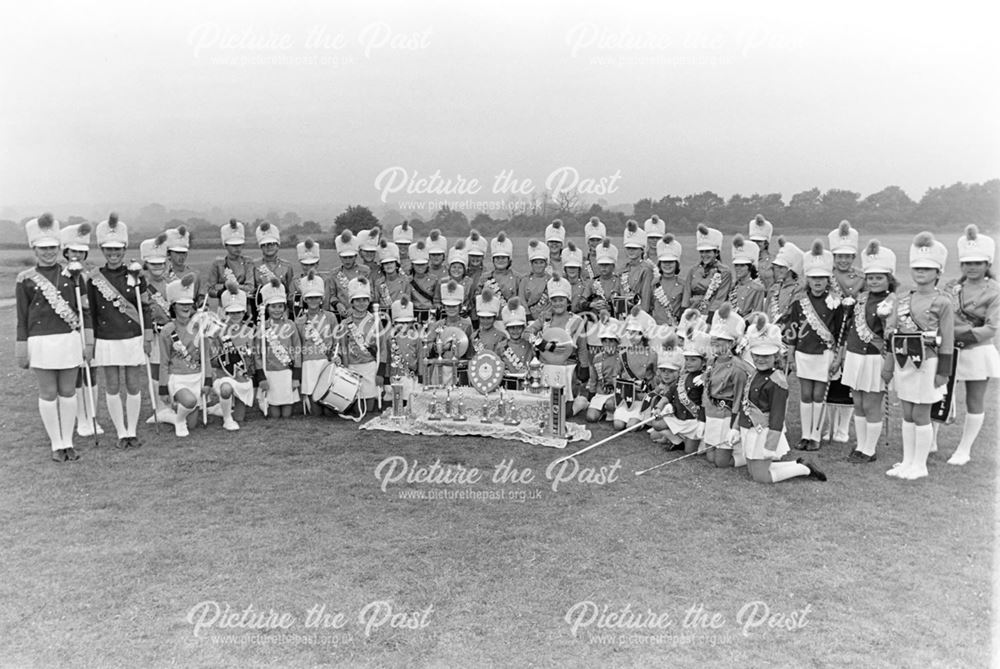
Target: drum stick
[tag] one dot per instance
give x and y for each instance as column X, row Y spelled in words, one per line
column 263, row 348
column 378, row 354
column 669, row 462
column 607, row 439
column 86, row 366
column 149, row 369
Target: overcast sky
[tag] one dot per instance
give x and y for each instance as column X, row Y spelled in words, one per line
column 112, row 102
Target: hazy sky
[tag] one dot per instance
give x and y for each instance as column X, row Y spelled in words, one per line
column 311, row 101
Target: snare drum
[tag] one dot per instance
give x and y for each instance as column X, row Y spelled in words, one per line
column 337, row 387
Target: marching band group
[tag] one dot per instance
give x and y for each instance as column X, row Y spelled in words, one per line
column 702, row 356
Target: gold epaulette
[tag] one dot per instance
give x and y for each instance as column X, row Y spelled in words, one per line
column 779, row 379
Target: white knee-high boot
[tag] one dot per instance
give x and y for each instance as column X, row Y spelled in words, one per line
column 921, row 447
column 180, row 420
column 908, row 445
column 973, row 423
column 67, row 417
column 49, row 411
column 872, row 433
column 781, row 471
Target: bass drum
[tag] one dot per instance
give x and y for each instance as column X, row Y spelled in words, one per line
column 337, row 387
column 558, row 346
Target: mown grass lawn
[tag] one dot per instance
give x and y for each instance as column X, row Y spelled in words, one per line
column 104, row 559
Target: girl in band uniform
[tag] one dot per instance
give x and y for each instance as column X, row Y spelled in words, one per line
column 747, row 294
column 458, row 262
column 637, row 275
column 358, row 346
column 786, row 269
column 270, row 265
column 759, row 231
column 605, row 370
column 404, row 361
column 48, row 334
column 977, row 315
column 708, row 283
column 153, row 253
column 867, row 348
column 182, row 378
column 317, row 331
column 390, row 285
column 279, row 367
column 234, row 266
column 555, row 238
column 308, row 253
column 683, row 411
column 762, row 419
column 121, row 345
column 76, row 248
column 847, row 282
column 233, row 358
column 811, row 339
column 572, row 264
column 724, row 381
column 347, row 249
column 595, row 231
column 422, row 285
column 531, row 288
column 668, row 289
column 922, row 330
column 502, row 281
column 604, row 287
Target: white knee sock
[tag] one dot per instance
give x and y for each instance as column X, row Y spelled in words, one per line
column 787, row 470
column 861, row 431
column 935, row 426
column 973, row 423
column 67, row 418
column 227, row 408
column 117, row 413
column 842, row 423
column 180, row 420
column 49, row 411
column 133, row 404
column 922, row 446
column 872, row 432
column 908, row 438
column 806, row 418
column 818, row 414
column 82, row 417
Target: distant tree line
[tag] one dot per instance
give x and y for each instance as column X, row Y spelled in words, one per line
column 890, row 209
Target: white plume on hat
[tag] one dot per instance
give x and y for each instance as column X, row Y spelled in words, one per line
column 974, row 246
column 42, row 231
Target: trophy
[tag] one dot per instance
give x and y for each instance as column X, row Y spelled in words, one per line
column 485, row 414
column 398, row 412
column 432, row 409
column 535, row 374
column 447, row 402
column 511, row 413
column 556, row 423
column 460, row 411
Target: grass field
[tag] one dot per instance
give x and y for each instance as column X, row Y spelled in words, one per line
column 106, row 560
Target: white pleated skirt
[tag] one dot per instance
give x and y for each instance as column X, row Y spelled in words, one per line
column 279, row 388
column 813, row 366
column 916, row 384
column 241, row 389
column 863, row 372
column 717, row 431
column 119, row 352
column 310, row 374
column 978, row 363
column 55, row 351
column 191, row 382
column 753, row 440
column 691, row 428
column 367, row 371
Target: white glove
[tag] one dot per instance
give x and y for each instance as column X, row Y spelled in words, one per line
column 734, row 437
column 667, row 410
